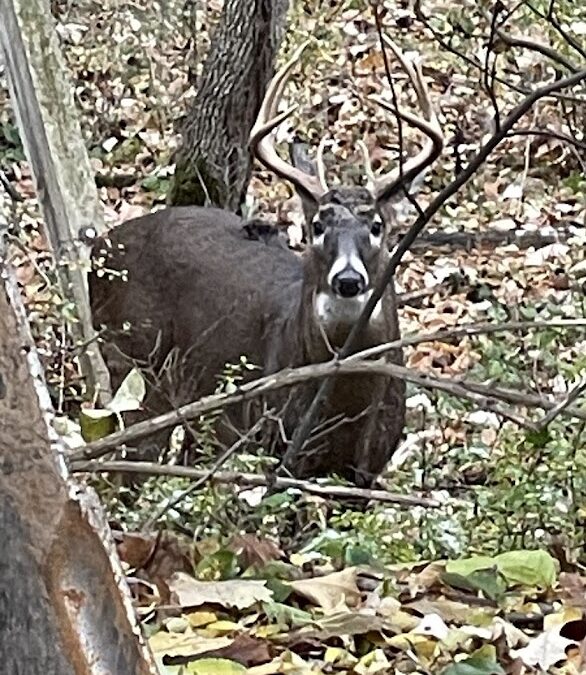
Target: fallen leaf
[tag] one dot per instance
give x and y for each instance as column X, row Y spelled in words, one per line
column 239, row 593
column 331, row 591
column 545, row 650
column 253, row 550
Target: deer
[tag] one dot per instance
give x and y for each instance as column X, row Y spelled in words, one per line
column 203, row 285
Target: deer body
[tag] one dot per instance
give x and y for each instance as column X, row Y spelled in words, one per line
column 200, row 289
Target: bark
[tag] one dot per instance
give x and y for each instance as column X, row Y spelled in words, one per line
column 48, row 123
column 64, row 607
column 213, row 164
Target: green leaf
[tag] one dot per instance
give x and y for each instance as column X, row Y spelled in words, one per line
column 276, row 612
column 357, row 555
column 538, row 439
column 130, row 394
column 481, row 662
column 96, row 424
column 219, row 565
column 494, row 575
column 277, row 499
column 466, row 566
column 530, row 568
column 215, row 667
column 489, row 581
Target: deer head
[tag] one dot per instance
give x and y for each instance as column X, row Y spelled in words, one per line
column 346, row 225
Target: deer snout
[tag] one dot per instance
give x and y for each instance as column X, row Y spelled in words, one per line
column 348, row 283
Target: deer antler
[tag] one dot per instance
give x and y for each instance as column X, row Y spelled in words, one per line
column 387, row 186
column 262, row 145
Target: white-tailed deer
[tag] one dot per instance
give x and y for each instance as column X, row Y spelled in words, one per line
column 196, row 283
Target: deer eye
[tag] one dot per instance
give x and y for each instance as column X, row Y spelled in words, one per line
column 318, row 228
column 376, row 227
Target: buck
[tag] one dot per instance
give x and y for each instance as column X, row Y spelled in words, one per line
column 195, row 283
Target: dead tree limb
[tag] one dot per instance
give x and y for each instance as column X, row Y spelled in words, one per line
column 252, row 480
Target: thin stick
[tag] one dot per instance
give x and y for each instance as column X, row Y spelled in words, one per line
column 222, row 459
column 466, row 330
column 558, row 409
column 253, row 479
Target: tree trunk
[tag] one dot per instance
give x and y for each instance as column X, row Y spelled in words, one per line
column 213, row 165
column 42, row 97
column 64, row 606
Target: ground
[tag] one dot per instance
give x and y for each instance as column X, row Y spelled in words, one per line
column 323, row 587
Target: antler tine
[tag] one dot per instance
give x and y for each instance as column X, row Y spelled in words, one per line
column 262, row 145
column 387, row 186
column 320, row 165
column 370, row 177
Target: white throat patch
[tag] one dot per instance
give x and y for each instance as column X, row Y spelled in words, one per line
column 331, row 309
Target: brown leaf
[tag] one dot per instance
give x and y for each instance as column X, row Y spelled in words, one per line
column 254, row 551
column 330, row 591
column 573, row 589
column 246, row 650
column 239, row 593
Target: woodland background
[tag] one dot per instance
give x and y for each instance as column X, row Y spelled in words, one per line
column 351, row 588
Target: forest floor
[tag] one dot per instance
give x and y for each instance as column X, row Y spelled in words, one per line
column 228, row 586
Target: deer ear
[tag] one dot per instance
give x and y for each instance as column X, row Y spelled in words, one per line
column 300, row 159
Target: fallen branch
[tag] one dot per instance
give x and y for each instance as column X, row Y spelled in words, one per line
column 252, row 480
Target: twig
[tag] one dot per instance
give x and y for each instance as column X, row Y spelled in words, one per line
column 466, row 330
column 489, row 77
column 439, row 38
column 558, row 409
column 13, row 193
column 306, row 423
column 526, row 399
column 292, row 376
column 549, row 17
column 222, row 459
column 253, row 479
column 549, row 133
column 545, row 50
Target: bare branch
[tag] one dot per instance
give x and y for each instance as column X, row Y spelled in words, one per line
column 306, row 423
column 465, row 330
column 526, row 399
column 552, row 19
column 550, row 133
column 558, row 409
column 293, row 376
column 252, row 480
column 545, row 50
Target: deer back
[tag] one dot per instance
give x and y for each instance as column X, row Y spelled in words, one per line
column 190, row 280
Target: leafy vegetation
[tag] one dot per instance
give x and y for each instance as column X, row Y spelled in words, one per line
column 325, row 585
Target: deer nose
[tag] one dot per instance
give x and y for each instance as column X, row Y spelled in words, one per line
column 348, row 283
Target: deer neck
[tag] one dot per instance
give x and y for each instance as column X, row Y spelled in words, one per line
column 326, row 326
